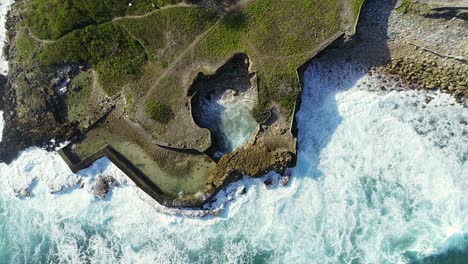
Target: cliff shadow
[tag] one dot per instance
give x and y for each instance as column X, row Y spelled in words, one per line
column 448, row 13
column 334, row 70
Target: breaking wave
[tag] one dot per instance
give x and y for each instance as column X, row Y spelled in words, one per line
column 381, row 178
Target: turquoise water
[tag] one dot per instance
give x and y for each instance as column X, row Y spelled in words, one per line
column 381, row 178
column 229, row 118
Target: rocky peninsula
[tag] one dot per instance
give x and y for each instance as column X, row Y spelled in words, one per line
column 124, row 79
column 129, row 81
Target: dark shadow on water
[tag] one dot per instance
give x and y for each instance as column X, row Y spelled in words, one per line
column 335, row 70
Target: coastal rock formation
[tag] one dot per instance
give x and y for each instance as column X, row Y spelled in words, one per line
column 119, row 80
column 102, row 185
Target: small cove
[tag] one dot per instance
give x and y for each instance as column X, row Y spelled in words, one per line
column 223, row 103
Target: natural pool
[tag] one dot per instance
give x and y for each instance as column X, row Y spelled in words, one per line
column 223, row 103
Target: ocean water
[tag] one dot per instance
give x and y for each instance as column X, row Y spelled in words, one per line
column 381, row 178
column 229, row 118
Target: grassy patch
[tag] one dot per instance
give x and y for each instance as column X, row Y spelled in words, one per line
column 51, row 19
column 276, row 45
column 25, row 46
column 223, row 40
column 128, row 99
column 405, row 7
column 307, row 20
column 78, row 96
column 141, row 51
column 410, row 7
column 158, row 111
column 165, row 33
column 115, row 55
column 356, row 7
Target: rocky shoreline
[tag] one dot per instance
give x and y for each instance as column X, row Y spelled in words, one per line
column 32, row 114
column 429, row 50
column 380, row 46
column 427, row 75
column 426, row 52
column 35, row 114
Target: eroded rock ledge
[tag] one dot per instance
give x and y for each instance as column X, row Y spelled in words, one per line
column 168, row 157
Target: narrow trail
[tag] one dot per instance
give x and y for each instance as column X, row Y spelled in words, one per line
column 43, row 41
column 174, row 63
column 137, row 39
column 152, row 12
column 48, row 41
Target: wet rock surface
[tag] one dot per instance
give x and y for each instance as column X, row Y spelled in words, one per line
column 254, row 160
column 102, row 185
column 427, row 74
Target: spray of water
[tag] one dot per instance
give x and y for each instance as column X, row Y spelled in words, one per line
column 381, row 178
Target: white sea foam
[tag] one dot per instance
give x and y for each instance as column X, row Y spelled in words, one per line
column 228, row 115
column 381, row 178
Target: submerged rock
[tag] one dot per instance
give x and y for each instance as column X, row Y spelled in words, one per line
column 21, row 193
column 103, row 185
column 284, row 181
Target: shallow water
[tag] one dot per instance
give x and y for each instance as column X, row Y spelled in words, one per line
column 381, row 178
column 229, row 117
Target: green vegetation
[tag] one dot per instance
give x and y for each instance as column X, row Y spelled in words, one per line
column 78, row 96
column 158, row 111
column 150, row 57
column 51, row 19
column 128, row 99
column 156, row 56
column 405, row 7
column 409, row 6
column 116, row 56
column 224, row 39
column 357, row 6
column 307, row 21
column 165, row 33
column 25, row 45
column 277, row 46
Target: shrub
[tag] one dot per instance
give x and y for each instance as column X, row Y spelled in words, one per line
column 158, row 111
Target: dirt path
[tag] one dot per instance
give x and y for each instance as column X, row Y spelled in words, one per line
column 173, row 64
column 48, row 41
column 150, row 13
column 148, row 54
column 43, row 41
